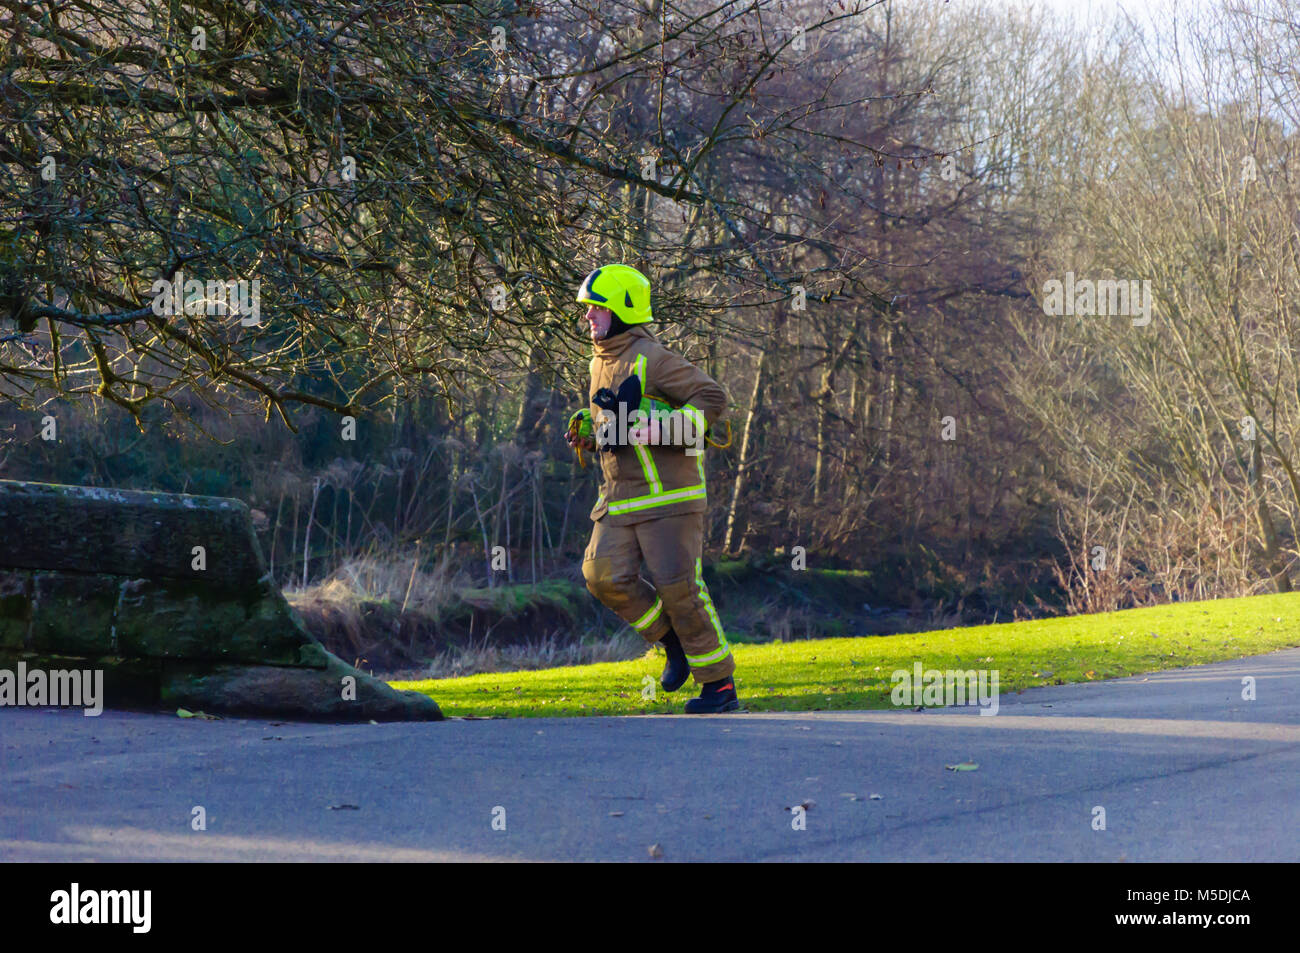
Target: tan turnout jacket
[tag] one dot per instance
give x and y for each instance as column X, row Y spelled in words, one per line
column 651, row 481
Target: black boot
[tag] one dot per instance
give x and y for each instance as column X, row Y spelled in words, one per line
column 677, row 670
column 715, row 697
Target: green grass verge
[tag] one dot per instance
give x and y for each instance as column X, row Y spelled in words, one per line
column 853, row 673
column 560, row 594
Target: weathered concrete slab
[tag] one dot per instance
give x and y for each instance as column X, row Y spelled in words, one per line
column 110, row 580
column 279, row 690
column 184, row 620
column 15, row 609
column 130, row 533
column 72, row 613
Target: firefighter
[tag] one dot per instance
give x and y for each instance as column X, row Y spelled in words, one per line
column 652, row 496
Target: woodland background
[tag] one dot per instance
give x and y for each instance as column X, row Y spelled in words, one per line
column 847, row 211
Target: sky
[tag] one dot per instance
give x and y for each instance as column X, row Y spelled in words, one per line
column 1151, row 16
column 1085, row 10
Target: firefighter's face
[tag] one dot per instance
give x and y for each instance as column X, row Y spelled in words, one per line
column 599, row 319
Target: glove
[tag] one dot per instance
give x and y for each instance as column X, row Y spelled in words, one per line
column 620, row 404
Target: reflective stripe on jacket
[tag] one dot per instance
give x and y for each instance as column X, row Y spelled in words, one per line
column 650, row 481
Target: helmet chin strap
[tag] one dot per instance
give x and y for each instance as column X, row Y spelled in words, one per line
column 616, row 326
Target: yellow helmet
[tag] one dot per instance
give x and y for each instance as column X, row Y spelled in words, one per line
column 622, row 289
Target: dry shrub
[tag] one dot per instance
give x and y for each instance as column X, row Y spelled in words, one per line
column 1169, row 550
column 332, row 612
column 397, row 580
column 549, row 651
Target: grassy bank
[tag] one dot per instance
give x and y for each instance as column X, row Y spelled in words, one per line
column 854, row 673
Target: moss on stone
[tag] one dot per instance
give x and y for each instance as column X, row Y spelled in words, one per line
column 73, row 614
column 168, row 619
column 15, row 609
column 313, row 655
column 337, row 692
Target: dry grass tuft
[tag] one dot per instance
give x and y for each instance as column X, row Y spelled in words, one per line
column 549, row 651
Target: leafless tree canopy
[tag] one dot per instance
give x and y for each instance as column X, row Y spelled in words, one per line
column 851, row 212
column 417, row 187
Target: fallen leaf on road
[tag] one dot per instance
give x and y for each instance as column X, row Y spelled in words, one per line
column 183, row 713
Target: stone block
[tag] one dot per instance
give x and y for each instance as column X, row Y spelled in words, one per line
column 15, row 609
column 176, row 620
column 72, row 614
column 90, row 529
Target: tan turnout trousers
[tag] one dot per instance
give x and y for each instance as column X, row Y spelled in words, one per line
column 675, row 596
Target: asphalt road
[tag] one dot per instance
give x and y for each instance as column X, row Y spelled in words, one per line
column 1184, row 768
